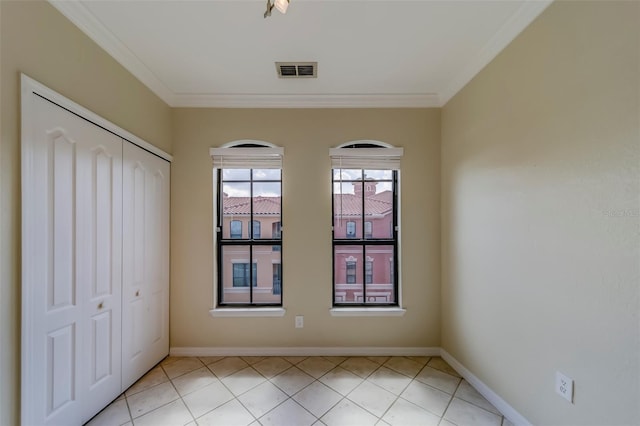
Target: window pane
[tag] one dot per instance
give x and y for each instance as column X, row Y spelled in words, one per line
column 379, row 274
column 347, row 174
column 266, row 258
column 378, row 174
column 348, row 274
column 347, row 210
column 266, row 174
column 235, row 274
column 266, row 206
column 236, row 174
column 378, row 209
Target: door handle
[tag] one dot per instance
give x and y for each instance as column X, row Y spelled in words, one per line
column 137, row 293
column 100, row 305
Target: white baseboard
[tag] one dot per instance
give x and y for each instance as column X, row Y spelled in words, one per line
column 507, row 410
column 304, row 351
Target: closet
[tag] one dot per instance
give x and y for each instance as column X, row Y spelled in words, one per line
column 95, row 259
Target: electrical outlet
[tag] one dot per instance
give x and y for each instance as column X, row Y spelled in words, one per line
column 564, row 386
column 299, row 321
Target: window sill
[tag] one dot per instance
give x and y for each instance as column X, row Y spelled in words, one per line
column 247, row 312
column 367, row 312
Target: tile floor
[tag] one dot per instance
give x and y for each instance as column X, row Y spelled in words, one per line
column 298, row 391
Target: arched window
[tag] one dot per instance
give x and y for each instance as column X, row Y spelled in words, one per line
column 248, row 176
column 365, row 224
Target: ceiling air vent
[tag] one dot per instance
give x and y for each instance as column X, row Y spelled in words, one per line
column 297, row 69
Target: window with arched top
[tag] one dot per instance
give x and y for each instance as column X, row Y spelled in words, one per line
column 365, row 224
column 248, row 194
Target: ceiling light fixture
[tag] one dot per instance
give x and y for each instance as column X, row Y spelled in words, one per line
column 281, row 5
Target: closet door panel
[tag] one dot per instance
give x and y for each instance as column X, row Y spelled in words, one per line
column 71, row 249
column 145, row 268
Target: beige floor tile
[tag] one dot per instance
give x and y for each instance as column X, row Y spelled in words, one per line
column 372, row 398
column 317, row 398
column 360, row 366
column 347, row 413
column 426, row 397
column 262, row 399
column 341, row 380
column 194, row 380
column 120, row 397
column 271, row 366
column 390, row 380
column 230, row 414
column 295, row 359
column 170, row 359
column 422, row 360
column 445, row 422
column 337, row 360
column 404, row 413
column 182, row 366
column 227, row 366
column 468, row 393
column 115, row 414
column 378, row 359
column 243, row 380
column 206, row 360
column 404, row 366
column 440, row 364
column 154, row 377
column 463, row 413
column 438, row 379
column 289, row 413
column 172, row 414
column 208, row 398
column 252, row 359
column 316, row 366
column 152, row 398
column 292, row 380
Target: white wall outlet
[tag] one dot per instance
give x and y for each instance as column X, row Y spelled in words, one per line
column 564, row 386
column 299, row 321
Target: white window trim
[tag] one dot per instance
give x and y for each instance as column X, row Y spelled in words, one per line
column 230, row 311
column 367, row 312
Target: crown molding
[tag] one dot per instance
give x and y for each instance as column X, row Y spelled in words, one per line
column 529, row 11
column 77, row 13
column 306, row 101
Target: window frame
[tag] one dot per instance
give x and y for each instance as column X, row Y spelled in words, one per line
column 252, row 308
column 368, row 308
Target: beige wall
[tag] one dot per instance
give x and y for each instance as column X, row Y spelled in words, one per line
column 540, row 174
column 306, row 136
column 39, row 41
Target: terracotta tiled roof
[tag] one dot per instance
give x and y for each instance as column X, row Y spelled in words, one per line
column 262, row 206
column 350, row 205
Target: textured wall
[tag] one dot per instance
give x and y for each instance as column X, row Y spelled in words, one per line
column 306, row 136
column 540, row 184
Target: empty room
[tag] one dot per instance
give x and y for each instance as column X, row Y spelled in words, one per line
column 319, row 212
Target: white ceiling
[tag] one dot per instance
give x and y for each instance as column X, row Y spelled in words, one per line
column 370, row 53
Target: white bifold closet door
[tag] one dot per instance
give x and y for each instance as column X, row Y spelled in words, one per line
column 72, row 230
column 145, row 317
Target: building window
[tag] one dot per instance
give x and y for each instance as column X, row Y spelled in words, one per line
column 276, row 229
column 365, row 206
column 368, row 272
column 235, row 229
column 277, row 276
column 351, row 272
column 248, row 189
column 368, row 229
column 255, row 229
column 351, row 229
column 241, row 275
